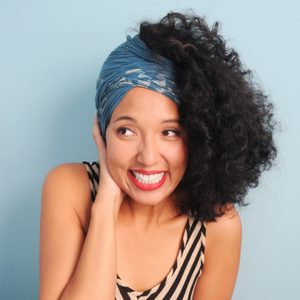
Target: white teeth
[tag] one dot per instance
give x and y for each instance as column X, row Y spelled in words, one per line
column 148, row 179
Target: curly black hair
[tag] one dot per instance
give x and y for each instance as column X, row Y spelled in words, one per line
column 227, row 116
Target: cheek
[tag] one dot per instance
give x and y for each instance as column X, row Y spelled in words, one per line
column 117, row 155
column 178, row 155
column 113, row 154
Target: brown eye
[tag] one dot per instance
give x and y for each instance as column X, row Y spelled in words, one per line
column 124, row 130
column 171, row 132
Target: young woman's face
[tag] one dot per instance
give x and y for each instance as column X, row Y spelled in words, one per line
column 143, row 137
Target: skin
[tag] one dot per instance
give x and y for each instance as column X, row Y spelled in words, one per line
column 142, row 230
column 147, row 143
column 145, row 219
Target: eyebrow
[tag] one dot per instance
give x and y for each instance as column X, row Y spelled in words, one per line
column 134, row 120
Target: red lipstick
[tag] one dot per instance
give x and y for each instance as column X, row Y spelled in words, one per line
column 147, row 186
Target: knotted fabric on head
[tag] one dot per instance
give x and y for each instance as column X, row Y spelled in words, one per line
column 132, row 64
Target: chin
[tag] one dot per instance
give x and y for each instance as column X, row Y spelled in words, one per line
column 152, row 199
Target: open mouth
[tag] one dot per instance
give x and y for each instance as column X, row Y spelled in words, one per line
column 147, row 182
column 148, row 179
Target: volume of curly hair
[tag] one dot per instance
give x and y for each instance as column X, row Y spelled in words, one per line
column 228, row 118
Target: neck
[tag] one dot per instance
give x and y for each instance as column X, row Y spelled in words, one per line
column 146, row 216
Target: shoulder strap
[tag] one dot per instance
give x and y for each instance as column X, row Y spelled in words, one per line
column 93, row 174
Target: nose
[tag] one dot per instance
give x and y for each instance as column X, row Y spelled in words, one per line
column 148, row 151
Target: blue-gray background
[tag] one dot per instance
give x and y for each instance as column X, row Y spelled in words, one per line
column 50, row 56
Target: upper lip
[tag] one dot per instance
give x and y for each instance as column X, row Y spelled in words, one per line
column 148, row 172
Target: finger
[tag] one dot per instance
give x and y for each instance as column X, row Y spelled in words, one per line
column 97, row 134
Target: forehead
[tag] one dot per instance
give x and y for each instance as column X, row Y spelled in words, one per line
column 146, row 102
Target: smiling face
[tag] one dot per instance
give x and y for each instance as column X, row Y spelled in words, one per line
column 145, row 137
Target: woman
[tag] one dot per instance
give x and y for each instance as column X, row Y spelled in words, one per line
column 182, row 133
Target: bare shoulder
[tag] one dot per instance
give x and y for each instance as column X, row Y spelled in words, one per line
column 222, row 257
column 65, row 207
column 67, row 186
column 226, row 228
column 67, row 173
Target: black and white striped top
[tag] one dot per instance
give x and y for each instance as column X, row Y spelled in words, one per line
column 181, row 280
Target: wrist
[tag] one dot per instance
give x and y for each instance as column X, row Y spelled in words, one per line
column 107, row 205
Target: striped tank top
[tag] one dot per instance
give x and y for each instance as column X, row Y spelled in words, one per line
column 181, row 280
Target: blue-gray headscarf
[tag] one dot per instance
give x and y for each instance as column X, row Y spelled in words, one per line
column 132, row 64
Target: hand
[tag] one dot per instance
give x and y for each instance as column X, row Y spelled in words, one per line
column 107, row 185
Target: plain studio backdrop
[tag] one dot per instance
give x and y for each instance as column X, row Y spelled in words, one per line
column 51, row 54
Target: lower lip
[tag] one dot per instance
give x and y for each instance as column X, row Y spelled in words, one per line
column 149, row 186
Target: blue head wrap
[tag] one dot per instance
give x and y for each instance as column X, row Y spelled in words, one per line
column 132, row 64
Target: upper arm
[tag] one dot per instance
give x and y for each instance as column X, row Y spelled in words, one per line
column 222, row 257
column 61, row 233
